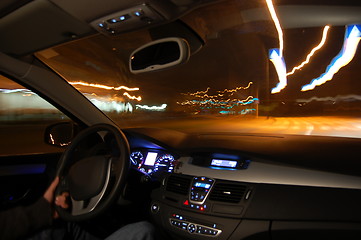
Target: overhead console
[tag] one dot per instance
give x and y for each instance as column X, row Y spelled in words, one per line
column 114, row 17
column 128, row 19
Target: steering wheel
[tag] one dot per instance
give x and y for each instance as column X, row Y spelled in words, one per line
column 93, row 170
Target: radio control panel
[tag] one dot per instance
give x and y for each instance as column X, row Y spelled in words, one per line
column 201, row 187
column 193, row 227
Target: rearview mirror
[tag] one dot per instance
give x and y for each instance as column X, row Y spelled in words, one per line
column 159, row 54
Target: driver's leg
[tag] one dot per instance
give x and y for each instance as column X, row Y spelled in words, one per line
column 135, row 231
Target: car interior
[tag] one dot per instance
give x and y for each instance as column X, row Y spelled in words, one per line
column 128, row 121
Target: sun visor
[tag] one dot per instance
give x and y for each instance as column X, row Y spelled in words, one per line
column 37, row 25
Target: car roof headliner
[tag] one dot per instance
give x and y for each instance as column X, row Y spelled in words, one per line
column 28, row 26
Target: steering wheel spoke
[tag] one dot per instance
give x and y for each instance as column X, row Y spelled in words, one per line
column 85, row 206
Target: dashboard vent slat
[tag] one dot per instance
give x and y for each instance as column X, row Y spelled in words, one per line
column 178, row 184
column 227, row 192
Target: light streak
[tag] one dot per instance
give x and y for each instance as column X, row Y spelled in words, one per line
column 61, row 144
column 100, row 86
column 243, row 112
column 236, row 89
column 276, row 55
column 52, row 139
column 280, row 66
column 220, row 100
column 221, row 93
column 352, row 39
column 22, row 99
column 105, row 103
column 198, row 92
column 156, row 108
column 21, row 90
column 109, row 103
column 338, row 98
column 247, row 110
column 132, row 97
column 318, row 47
column 112, row 106
column 221, row 103
column 95, row 85
column 276, row 21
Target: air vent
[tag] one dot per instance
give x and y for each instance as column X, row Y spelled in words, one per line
column 226, row 192
column 178, row 184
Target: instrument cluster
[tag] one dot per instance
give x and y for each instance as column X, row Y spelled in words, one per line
column 152, row 162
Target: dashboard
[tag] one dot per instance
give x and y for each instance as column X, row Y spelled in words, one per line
column 231, row 187
column 153, row 162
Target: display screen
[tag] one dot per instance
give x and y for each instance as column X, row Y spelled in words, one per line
column 150, row 159
column 202, row 185
column 224, row 163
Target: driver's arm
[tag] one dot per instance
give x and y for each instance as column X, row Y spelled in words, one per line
column 21, row 221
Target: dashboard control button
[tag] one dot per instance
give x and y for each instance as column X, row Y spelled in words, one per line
column 191, row 228
column 200, row 189
column 184, row 226
column 154, row 208
column 183, row 223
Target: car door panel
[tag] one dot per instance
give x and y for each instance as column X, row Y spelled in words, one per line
column 23, row 179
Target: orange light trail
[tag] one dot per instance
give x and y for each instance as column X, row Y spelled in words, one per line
column 197, row 93
column 205, row 95
column 104, row 86
column 236, row 89
column 318, row 47
column 222, row 99
column 228, row 102
column 132, row 97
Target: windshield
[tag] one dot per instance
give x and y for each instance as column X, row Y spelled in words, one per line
column 292, row 69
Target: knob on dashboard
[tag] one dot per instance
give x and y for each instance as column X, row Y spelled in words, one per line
column 154, row 208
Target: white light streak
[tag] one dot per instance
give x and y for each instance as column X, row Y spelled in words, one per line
column 21, row 90
column 276, row 57
column 352, row 39
column 350, row 97
column 155, row 108
column 112, row 106
column 280, row 67
column 276, row 21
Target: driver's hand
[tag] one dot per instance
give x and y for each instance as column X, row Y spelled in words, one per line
column 60, row 200
column 49, row 193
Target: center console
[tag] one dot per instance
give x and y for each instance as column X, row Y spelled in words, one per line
column 196, row 207
column 199, row 207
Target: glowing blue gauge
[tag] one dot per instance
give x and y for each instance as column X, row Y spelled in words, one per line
column 164, row 163
column 136, row 158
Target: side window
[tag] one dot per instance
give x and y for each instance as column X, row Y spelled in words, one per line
column 24, row 117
